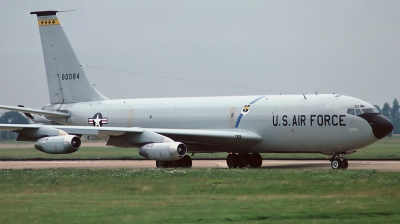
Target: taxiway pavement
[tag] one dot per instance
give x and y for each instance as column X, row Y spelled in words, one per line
column 140, row 164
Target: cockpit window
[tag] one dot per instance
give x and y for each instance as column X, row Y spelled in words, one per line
column 350, row 111
column 361, row 109
column 368, row 111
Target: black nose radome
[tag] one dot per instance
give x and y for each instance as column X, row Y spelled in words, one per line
column 381, row 126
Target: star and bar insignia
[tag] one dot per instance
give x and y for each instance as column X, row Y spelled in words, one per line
column 98, row 120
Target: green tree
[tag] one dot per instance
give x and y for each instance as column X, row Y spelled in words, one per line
column 378, row 108
column 11, row 117
column 394, row 111
column 396, row 124
column 386, row 110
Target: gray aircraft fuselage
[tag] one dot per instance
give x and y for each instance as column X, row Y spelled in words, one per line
column 286, row 123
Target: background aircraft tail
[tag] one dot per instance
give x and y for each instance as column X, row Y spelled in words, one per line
column 66, row 79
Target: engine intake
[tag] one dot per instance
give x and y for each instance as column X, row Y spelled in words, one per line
column 163, row 151
column 58, row 144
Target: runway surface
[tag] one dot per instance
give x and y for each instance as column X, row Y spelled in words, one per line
column 140, row 164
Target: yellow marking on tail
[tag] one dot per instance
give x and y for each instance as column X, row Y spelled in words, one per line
column 48, row 22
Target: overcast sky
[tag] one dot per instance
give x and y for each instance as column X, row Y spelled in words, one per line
column 266, row 47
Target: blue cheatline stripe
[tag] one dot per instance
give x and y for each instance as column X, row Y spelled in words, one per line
column 256, row 99
column 238, row 120
column 241, row 115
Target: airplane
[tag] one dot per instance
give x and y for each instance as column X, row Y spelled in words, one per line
column 168, row 129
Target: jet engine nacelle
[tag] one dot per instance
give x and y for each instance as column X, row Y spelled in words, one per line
column 63, row 144
column 163, row 151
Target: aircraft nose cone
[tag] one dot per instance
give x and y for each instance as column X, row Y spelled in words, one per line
column 381, row 126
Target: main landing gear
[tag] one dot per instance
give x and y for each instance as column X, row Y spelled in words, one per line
column 185, row 162
column 338, row 162
column 242, row 160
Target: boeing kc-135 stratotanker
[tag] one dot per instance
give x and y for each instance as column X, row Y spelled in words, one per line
column 167, row 129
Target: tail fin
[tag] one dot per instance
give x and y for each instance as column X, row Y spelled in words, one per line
column 66, row 79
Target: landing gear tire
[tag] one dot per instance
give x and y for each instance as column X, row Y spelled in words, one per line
column 231, row 161
column 255, row 160
column 345, row 164
column 336, row 164
column 243, row 160
column 174, row 163
column 186, row 162
column 166, row 164
column 159, row 164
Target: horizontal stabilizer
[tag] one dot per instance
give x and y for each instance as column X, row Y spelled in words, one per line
column 35, row 111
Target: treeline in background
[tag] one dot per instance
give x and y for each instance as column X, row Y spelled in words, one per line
column 392, row 113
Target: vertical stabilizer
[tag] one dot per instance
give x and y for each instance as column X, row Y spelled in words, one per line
column 66, row 79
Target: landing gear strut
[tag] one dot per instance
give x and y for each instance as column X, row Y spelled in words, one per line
column 338, row 162
column 185, row 162
column 242, row 160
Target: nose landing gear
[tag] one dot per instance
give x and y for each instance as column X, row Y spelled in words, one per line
column 338, row 162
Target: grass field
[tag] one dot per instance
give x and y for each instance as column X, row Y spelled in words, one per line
column 387, row 148
column 198, row 196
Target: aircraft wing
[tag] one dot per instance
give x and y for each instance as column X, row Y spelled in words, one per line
column 74, row 130
column 131, row 136
column 35, row 111
column 211, row 136
column 192, row 136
